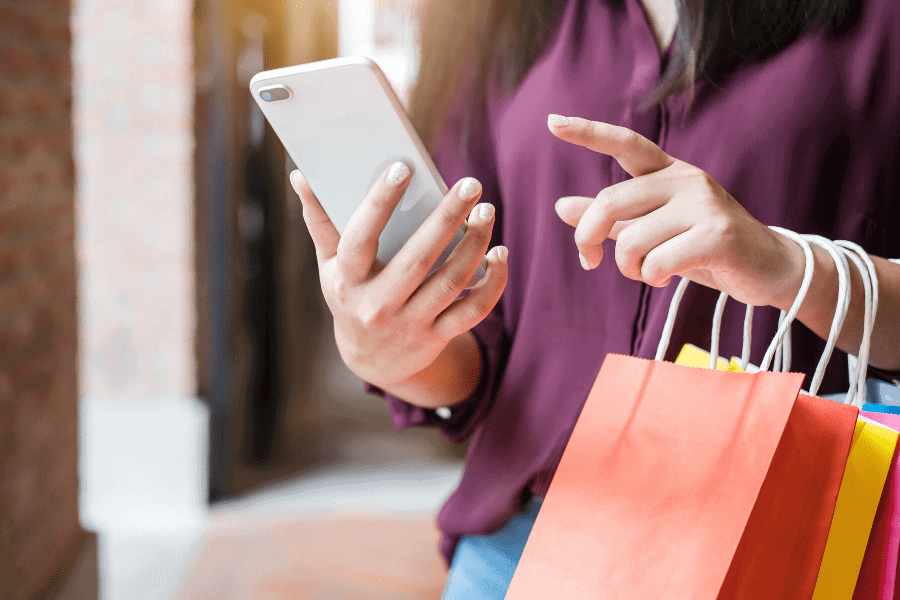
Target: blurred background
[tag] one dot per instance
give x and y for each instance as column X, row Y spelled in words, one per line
column 175, row 421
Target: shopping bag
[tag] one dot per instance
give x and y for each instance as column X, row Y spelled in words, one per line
column 657, row 483
column 877, row 577
column 789, row 544
column 863, row 474
column 782, row 546
column 692, row 356
column 870, row 458
column 871, row 452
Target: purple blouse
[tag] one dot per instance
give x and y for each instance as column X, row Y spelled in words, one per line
column 807, row 139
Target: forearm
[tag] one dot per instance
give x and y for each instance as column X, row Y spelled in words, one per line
column 451, row 378
column 817, row 311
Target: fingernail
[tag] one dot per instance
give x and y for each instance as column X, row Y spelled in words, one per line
column 397, row 173
column 502, row 253
column 469, row 188
column 584, row 263
column 486, row 211
column 558, row 205
column 557, row 120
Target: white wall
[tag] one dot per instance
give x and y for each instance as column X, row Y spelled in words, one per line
column 133, row 93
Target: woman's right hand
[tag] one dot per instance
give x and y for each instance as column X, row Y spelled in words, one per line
column 388, row 324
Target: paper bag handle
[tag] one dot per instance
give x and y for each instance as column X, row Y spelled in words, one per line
column 809, row 265
column 840, row 312
column 856, row 395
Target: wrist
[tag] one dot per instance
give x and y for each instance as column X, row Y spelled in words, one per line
column 452, row 377
column 788, row 282
column 820, row 302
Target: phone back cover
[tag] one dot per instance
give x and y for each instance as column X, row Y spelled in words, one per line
column 342, row 131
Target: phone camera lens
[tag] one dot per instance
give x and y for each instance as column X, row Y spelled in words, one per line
column 274, row 93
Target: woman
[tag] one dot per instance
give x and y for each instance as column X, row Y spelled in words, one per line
column 701, row 123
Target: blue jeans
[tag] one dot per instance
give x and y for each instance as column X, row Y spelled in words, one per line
column 483, row 565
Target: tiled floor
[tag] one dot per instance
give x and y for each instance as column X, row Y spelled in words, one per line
column 363, row 531
column 343, row 534
column 324, row 558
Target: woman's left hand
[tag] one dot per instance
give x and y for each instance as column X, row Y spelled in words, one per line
column 671, row 219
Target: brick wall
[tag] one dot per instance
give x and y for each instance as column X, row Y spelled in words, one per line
column 39, row 528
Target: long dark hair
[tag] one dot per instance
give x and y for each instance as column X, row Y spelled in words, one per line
column 498, row 40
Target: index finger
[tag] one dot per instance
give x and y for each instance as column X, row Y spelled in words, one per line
column 358, row 248
column 635, row 153
column 325, row 237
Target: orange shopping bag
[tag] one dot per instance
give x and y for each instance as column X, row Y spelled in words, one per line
column 657, row 483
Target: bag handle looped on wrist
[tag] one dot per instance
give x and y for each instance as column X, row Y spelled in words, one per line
column 859, row 366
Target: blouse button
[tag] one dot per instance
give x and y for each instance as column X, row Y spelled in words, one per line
column 443, row 412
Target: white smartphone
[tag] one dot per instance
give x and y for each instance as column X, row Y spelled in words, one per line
column 343, row 125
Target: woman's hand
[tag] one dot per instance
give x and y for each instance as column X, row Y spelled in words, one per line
column 671, row 219
column 388, row 324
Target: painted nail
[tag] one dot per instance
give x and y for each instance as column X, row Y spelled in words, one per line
column 486, row 212
column 502, row 253
column 557, row 120
column 398, row 173
column 443, row 412
column 469, row 188
column 584, row 263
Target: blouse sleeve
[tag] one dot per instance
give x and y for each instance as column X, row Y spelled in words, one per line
column 460, row 152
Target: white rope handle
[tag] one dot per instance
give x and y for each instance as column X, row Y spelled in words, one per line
column 748, row 331
column 716, row 330
column 852, row 363
column 840, row 311
column 670, row 319
column 780, row 347
column 783, row 352
column 857, row 390
column 856, row 395
column 808, row 268
column 666, row 337
column 787, row 352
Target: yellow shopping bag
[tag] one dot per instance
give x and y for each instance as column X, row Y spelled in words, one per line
column 692, row 356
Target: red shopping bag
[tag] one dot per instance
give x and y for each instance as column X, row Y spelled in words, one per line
column 781, row 548
column 657, row 483
column 785, row 539
column 877, row 577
